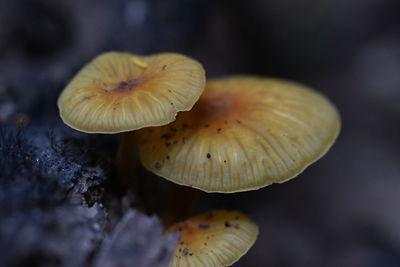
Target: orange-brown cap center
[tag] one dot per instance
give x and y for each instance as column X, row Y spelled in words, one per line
column 125, row 86
column 216, row 111
column 214, row 106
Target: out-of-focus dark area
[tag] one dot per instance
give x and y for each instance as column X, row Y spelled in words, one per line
column 59, row 202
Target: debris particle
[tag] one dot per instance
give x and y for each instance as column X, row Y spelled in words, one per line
column 166, row 136
column 184, row 139
column 225, row 161
column 227, row 224
column 207, row 125
column 140, row 63
column 185, row 251
column 164, row 67
column 168, row 157
column 167, row 144
column 157, row 165
column 238, row 121
column 218, row 130
column 208, row 155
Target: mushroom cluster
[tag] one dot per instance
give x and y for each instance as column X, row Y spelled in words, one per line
column 228, row 135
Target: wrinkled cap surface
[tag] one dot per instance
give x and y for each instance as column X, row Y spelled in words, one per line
column 216, row 238
column 119, row 92
column 244, row 133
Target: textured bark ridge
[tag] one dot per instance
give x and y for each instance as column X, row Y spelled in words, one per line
column 51, row 206
column 137, row 241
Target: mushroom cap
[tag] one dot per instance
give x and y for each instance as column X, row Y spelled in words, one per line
column 216, row 238
column 244, row 133
column 119, row 92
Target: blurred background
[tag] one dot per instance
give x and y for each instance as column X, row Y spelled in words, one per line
column 342, row 211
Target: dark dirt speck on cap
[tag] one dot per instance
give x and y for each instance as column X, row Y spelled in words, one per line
column 208, row 155
column 227, row 224
column 166, row 136
column 157, row 165
column 185, row 251
column 185, row 126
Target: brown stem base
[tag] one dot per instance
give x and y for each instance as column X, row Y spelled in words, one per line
column 125, row 161
column 182, row 204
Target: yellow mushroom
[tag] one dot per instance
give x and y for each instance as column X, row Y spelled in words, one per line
column 119, row 92
column 212, row 239
column 244, row 133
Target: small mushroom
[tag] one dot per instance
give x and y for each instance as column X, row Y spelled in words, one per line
column 244, row 133
column 122, row 92
column 215, row 238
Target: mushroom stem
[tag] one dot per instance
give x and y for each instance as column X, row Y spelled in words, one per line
column 125, row 160
column 181, row 205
